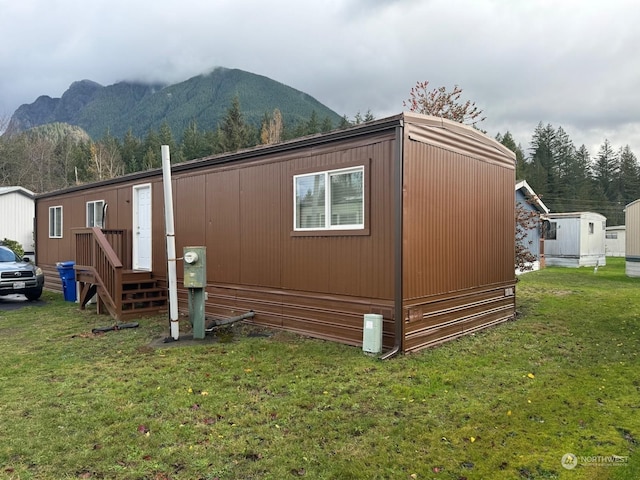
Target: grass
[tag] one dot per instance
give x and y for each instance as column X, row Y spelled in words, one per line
column 506, row 403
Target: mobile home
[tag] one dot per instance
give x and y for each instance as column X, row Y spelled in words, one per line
column 17, row 211
column 632, row 239
column 575, row 239
column 614, row 241
column 409, row 217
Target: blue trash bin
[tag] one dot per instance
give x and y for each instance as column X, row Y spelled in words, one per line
column 68, row 277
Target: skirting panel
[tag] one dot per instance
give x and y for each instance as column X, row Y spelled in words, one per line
column 632, row 268
column 330, row 317
column 444, row 319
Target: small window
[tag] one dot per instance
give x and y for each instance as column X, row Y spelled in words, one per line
column 331, row 200
column 551, row 231
column 590, row 228
column 95, row 214
column 55, row 222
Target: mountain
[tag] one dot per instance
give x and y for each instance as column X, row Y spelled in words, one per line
column 141, row 107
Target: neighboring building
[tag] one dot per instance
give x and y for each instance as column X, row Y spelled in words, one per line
column 17, row 214
column 528, row 200
column 575, row 239
column 632, row 239
column 614, row 241
column 409, row 217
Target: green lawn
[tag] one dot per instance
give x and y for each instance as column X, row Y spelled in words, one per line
column 506, row 403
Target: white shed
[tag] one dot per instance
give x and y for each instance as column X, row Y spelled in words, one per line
column 575, row 239
column 614, row 241
column 17, row 211
column 632, row 239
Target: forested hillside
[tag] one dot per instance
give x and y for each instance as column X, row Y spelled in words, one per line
column 137, row 107
column 58, row 155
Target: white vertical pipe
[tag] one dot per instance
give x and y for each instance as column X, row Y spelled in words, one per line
column 171, row 242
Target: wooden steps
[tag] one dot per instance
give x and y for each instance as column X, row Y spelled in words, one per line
column 141, row 295
column 102, row 268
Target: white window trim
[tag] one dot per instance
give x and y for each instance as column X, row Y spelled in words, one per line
column 54, row 209
column 327, row 204
column 94, row 203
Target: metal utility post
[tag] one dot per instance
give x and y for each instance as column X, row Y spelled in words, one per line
column 195, row 280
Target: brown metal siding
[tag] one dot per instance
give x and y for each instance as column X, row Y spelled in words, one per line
column 260, row 219
column 243, row 213
column 458, row 238
column 456, row 222
column 223, row 226
column 188, row 190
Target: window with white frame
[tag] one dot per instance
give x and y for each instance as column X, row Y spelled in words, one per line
column 591, row 229
column 95, row 213
column 55, row 222
column 330, row 200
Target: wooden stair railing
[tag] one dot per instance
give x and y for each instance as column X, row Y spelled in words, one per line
column 99, row 269
column 103, row 269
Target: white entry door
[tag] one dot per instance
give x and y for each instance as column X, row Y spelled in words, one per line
column 142, row 227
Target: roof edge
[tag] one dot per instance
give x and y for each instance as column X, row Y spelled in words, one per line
column 22, row 190
column 532, row 195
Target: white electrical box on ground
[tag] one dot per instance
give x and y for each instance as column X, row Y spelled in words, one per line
column 372, row 333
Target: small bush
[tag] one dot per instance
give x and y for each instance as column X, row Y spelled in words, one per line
column 13, row 245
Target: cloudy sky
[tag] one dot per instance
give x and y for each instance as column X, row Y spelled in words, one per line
column 570, row 63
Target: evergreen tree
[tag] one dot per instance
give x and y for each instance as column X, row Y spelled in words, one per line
column 344, row 123
column 579, row 174
column 234, row 130
column 213, row 142
column 326, row 125
column 564, row 157
column 605, row 170
column 131, row 152
column 151, row 148
column 508, row 141
column 313, row 126
column 194, row 143
column 165, row 135
column 627, row 180
column 542, row 168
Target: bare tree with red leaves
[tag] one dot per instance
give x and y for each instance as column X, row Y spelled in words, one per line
column 441, row 103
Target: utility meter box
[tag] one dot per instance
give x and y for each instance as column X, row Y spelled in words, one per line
column 372, row 333
column 195, row 267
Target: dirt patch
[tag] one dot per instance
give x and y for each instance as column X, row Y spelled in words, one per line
column 224, row 334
